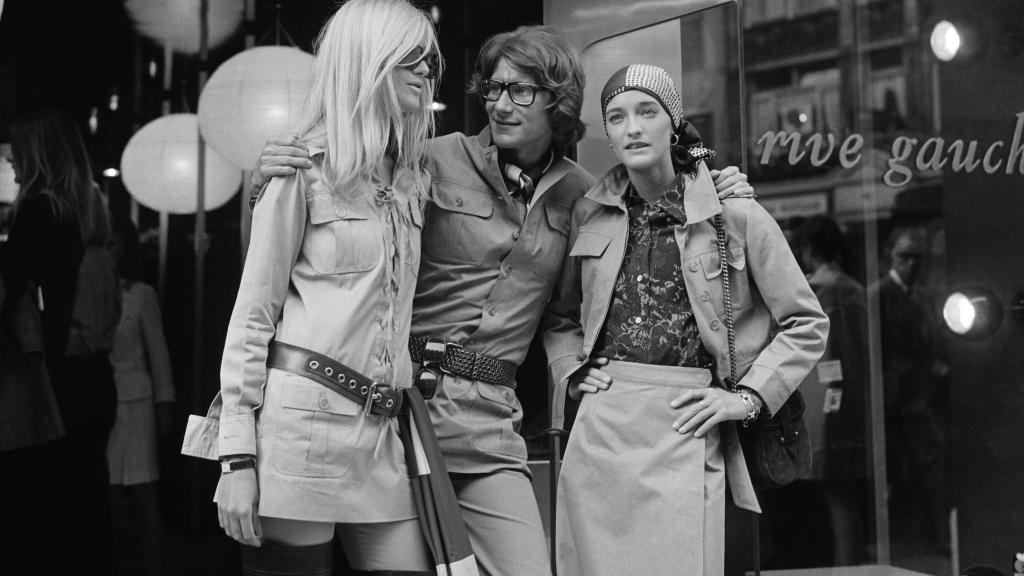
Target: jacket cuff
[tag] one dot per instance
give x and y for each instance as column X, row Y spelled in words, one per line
column 772, row 389
column 238, row 434
column 563, row 367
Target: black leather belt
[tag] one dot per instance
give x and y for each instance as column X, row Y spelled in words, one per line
column 456, row 360
column 376, row 398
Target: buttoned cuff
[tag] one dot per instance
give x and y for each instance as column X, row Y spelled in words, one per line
column 767, row 384
column 238, row 434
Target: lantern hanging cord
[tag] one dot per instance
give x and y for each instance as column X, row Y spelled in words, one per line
column 278, row 30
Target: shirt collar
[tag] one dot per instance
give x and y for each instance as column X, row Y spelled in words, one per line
column 700, row 200
column 824, row 274
column 899, row 281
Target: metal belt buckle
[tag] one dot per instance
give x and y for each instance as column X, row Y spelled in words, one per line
column 453, row 347
column 433, row 351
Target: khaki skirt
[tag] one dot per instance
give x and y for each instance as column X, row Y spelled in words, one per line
column 634, row 495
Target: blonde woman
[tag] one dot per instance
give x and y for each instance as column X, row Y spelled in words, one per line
column 316, row 354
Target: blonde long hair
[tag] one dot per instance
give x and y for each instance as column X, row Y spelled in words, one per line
column 52, row 160
column 352, row 94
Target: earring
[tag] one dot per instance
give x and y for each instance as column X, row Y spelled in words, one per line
column 674, row 140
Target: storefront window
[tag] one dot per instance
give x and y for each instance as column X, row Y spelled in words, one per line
column 886, row 137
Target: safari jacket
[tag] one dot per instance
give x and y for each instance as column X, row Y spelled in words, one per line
column 766, row 283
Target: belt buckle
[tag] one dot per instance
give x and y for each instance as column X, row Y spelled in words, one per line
column 434, row 350
column 453, row 348
column 370, row 394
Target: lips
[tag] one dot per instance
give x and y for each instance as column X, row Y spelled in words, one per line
column 636, row 145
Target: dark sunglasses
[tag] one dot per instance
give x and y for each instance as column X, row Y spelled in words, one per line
column 416, row 55
column 521, row 93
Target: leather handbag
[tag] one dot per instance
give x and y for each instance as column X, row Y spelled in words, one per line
column 777, row 448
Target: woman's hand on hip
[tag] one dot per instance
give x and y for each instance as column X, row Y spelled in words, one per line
column 705, row 408
column 237, row 505
column 589, row 379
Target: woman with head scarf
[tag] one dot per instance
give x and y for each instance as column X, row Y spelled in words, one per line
column 642, row 487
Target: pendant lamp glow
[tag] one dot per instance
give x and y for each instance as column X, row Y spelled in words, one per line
column 256, row 94
column 159, row 167
column 176, row 22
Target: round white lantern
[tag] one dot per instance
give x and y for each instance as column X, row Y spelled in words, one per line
column 159, row 167
column 176, row 22
column 255, row 94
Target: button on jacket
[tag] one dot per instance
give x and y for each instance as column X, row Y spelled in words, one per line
column 332, row 270
column 766, row 283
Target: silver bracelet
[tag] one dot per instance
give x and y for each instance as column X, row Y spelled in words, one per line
column 748, row 401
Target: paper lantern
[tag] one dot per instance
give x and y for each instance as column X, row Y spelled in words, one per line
column 255, row 94
column 176, row 22
column 159, row 167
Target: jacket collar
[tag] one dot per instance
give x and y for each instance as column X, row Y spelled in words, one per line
column 560, row 165
column 700, row 200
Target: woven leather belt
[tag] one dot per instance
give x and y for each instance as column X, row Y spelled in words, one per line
column 374, row 397
column 461, row 362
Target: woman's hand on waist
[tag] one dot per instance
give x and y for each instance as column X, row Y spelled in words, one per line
column 705, row 408
column 589, row 379
column 237, row 506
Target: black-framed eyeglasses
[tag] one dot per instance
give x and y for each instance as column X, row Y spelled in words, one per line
column 415, row 56
column 521, row 93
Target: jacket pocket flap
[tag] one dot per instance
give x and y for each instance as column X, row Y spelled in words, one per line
column 558, row 217
column 495, row 393
column 711, row 263
column 302, row 394
column 324, row 208
column 590, row 244
column 461, row 199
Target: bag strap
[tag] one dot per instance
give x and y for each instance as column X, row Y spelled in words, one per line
column 731, row 383
column 729, row 328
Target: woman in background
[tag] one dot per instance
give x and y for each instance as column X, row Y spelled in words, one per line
column 145, row 397
column 59, row 244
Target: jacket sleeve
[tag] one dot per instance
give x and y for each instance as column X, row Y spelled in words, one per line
column 796, row 348
column 561, row 330
column 278, row 226
column 155, row 345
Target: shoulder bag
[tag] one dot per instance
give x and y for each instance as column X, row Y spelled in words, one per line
column 777, row 448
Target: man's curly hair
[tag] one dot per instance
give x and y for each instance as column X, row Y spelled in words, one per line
column 554, row 64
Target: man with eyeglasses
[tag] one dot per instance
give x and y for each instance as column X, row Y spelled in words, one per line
column 494, row 239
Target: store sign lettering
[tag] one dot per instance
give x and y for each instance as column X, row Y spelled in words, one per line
column 933, row 155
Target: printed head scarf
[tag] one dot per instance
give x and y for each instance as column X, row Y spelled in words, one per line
column 688, row 148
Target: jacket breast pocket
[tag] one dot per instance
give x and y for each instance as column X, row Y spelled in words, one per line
column 460, row 218
column 314, row 430
column 342, row 237
column 588, row 249
column 549, row 243
column 739, row 280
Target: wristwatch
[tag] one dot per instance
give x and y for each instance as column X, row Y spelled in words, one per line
column 229, row 466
